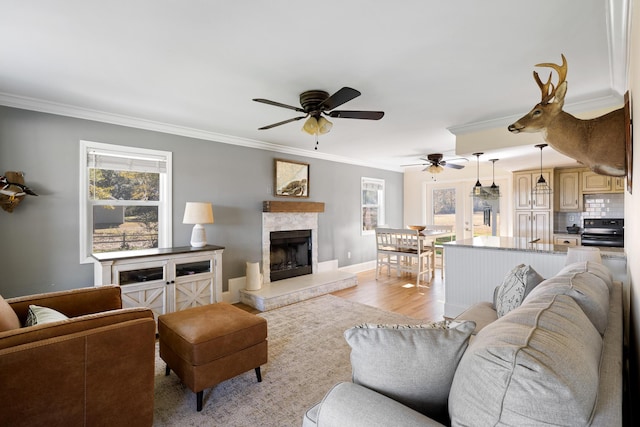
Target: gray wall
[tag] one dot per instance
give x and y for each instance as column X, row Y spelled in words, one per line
column 39, row 249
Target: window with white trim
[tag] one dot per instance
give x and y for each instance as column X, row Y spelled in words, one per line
column 372, row 202
column 125, row 198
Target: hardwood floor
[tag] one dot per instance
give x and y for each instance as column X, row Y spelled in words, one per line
column 392, row 294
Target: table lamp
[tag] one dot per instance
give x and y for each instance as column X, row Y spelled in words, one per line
column 198, row 213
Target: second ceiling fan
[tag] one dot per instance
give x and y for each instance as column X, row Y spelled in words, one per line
column 315, row 104
column 435, row 163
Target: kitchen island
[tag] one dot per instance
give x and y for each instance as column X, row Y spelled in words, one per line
column 474, row 267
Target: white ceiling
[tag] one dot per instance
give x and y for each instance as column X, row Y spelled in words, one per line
column 435, row 67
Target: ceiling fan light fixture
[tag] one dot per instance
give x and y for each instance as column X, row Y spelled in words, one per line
column 311, row 126
column 434, row 169
column 324, row 125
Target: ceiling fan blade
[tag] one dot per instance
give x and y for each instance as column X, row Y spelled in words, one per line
column 415, row 164
column 451, row 165
column 282, row 123
column 346, row 114
column 278, row 104
column 345, row 94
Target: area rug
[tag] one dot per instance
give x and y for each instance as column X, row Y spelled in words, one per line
column 307, row 355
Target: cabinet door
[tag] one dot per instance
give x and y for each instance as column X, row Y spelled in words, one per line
column 592, row 182
column 618, row 185
column 541, row 227
column 193, row 292
column 522, row 185
column 523, row 225
column 569, row 189
column 151, row 295
column 194, row 283
column 143, row 284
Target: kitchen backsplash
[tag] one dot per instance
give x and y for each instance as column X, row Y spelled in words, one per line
column 595, row 206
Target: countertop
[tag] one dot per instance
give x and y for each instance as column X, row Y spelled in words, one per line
column 520, row 244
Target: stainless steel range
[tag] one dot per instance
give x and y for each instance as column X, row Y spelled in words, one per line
column 603, row 232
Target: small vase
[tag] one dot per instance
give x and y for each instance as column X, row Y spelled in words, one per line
column 254, row 277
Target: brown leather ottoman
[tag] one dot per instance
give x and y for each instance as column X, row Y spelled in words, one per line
column 212, row 343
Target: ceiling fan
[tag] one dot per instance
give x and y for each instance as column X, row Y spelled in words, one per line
column 435, row 164
column 317, row 103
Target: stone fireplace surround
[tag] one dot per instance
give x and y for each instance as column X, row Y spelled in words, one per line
column 284, row 216
column 287, row 221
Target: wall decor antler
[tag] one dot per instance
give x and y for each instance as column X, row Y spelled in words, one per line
column 597, row 143
column 13, row 190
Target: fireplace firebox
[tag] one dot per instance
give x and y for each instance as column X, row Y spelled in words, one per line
column 290, row 254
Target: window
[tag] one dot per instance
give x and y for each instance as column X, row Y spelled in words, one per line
column 372, row 200
column 125, row 198
column 444, row 206
column 486, row 217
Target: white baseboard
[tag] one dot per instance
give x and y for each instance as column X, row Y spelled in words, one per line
column 232, row 296
column 359, row 268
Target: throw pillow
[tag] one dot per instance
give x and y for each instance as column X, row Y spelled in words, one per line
column 8, row 318
column 515, row 287
column 38, row 315
column 413, row 365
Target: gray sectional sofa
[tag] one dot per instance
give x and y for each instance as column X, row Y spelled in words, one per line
column 547, row 353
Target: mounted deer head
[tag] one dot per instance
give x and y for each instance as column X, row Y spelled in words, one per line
column 596, row 143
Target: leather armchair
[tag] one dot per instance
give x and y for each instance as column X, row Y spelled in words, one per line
column 95, row 368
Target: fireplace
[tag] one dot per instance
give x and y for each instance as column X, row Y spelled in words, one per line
column 290, row 254
column 288, row 221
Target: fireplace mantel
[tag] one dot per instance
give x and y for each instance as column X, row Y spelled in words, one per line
column 280, row 206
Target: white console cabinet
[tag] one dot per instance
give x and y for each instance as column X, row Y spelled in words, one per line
column 164, row 280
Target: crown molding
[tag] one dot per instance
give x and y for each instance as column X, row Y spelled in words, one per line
column 618, row 26
column 43, row 106
column 611, row 100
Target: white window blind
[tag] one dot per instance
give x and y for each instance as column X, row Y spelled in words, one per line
column 126, row 162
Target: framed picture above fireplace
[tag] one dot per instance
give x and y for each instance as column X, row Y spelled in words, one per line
column 291, row 178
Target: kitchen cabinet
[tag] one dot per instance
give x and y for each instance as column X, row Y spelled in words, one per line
column 524, row 182
column 533, row 225
column 533, row 219
column 567, row 190
column 164, row 280
column 594, row 183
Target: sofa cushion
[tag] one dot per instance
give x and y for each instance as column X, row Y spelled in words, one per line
column 412, row 365
column 8, row 318
column 482, row 313
column 588, row 290
column 537, row 365
column 514, row 288
column 38, row 315
column 598, row 269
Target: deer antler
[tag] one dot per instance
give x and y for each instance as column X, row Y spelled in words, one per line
column 548, row 89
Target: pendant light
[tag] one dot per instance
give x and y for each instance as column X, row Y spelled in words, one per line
column 494, row 190
column 541, row 187
column 477, row 189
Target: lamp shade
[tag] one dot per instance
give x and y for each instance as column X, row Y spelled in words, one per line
column 198, row 213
